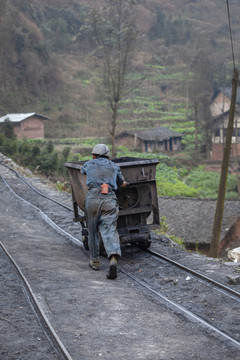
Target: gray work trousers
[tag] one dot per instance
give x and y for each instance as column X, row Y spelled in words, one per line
column 102, row 213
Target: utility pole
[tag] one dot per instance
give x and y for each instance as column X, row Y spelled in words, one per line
column 214, row 248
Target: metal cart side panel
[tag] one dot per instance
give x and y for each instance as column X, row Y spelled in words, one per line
column 138, row 203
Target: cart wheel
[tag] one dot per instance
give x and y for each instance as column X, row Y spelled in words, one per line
column 145, row 244
column 85, row 242
column 128, row 198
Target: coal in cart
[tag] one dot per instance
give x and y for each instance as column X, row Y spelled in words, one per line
column 138, row 202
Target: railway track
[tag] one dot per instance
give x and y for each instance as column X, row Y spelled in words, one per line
column 168, row 273
column 32, row 299
column 201, row 298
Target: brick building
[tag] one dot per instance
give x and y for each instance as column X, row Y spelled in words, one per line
column 26, row 126
column 219, row 107
column 219, row 133
column 159, row 139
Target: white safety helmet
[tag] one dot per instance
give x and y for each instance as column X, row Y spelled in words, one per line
column 101, row 150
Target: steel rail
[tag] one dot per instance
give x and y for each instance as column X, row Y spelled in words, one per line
column 179, row 307
column 182, row 309
column 152, row 252
column 29, row 292
column 193, row 272
column 34, row 189
column 32, row 299
column 44, row 216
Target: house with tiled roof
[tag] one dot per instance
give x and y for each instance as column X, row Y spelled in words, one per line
column 26, row 125
column 219, row 132
column 219, row 107
column 160, row 139
column 192, row 220
column 221, row 100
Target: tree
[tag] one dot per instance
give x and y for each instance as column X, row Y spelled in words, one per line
column 200, row 95
column 7, row 129
column 115, row 37
column 8, row 15
column 3, row 5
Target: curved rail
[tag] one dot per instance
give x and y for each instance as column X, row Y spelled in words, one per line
column 34, row 189
column 44, row 216
column 29, row 292
column 183, row 310
column 152, row 252
column 193, row 272
column 179, row 307
column 48, row 329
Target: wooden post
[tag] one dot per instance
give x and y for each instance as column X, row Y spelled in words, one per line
column 214, row 248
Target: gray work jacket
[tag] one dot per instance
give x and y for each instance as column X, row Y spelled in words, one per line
column 100, row 171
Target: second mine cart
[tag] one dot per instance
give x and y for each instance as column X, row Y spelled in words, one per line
column 138, row 202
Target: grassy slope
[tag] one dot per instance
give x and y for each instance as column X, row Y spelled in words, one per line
column 162, row 100
column 150, row 106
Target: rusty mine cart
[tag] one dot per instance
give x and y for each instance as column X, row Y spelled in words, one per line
column 138, row 202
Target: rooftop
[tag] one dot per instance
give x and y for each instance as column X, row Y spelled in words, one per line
column 192, row 219
column 227, row 91
column 159, row 134
column 20, row 117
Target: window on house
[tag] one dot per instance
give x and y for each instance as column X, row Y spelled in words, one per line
column 217, row 132
column 236, row 132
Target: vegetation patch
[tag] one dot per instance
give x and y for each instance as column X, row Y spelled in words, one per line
column 47, row 157
column 207, row 183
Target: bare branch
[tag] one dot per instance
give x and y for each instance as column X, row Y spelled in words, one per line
column 116, row 36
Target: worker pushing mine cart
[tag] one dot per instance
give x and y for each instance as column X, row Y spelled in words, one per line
column 138, row 202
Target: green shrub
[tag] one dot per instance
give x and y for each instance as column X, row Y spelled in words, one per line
column 7, row 129
column 207, row 183
column 66, row 152
column 169, row 183
column 35, row 150
column 166, row 188
column 50, row 146
column 8, row 147
column 48, row 163
column 172, row 180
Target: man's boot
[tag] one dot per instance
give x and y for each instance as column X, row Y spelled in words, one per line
column 112, row 272
column 94, row 264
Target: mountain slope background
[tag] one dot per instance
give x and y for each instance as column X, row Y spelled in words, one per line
column 46, row 63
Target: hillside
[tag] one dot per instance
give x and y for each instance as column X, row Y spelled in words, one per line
column 46, row 67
